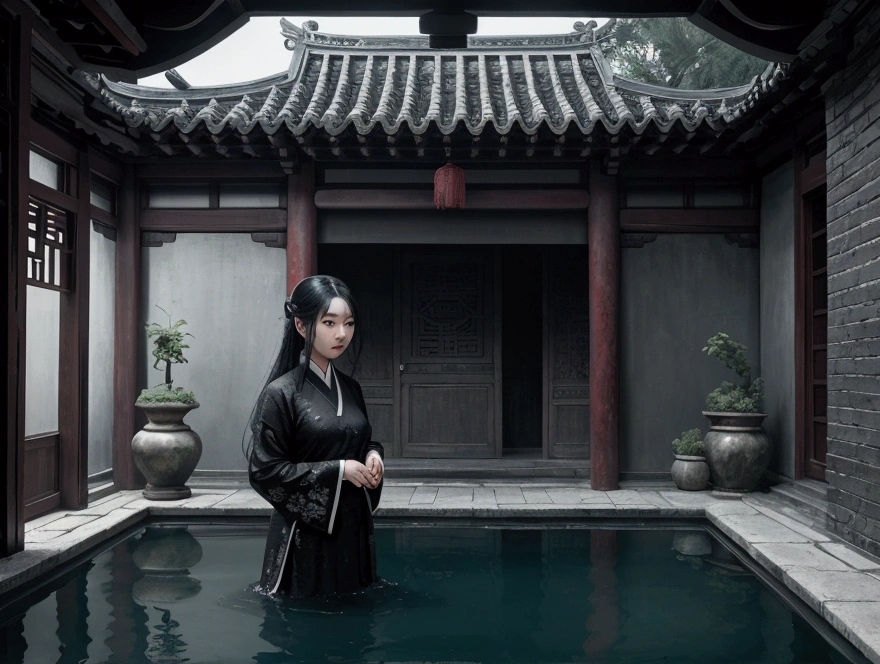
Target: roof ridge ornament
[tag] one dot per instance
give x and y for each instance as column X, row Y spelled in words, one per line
column 588, row 29
column 309, row 34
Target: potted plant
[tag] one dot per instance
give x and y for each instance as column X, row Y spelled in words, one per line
column 166, row 450
column 736, row 447
column 689, row 470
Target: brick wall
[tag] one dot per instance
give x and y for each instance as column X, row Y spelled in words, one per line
column 853, row 130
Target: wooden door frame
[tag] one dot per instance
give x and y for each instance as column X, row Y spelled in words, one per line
column 73, row 350
column 14, row 295
column 808, row 178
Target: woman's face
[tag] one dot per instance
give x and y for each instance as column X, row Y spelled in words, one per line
column 333, row 331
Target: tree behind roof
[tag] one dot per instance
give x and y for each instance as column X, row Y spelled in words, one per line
column 675, row 53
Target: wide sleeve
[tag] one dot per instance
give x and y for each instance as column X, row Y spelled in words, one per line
column 304, row 492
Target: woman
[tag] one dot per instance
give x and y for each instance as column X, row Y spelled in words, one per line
column 311, row 454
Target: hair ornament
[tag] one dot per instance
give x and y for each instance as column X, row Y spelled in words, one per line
column 289, row 309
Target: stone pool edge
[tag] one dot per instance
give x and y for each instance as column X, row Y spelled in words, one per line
column 836, row 581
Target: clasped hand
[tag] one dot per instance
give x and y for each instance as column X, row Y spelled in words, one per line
column 363, row 475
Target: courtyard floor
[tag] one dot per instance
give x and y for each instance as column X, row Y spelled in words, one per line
column 839, row 582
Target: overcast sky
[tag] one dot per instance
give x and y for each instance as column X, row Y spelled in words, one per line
column 257, row 49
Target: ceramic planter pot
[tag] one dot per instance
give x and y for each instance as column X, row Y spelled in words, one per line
column 166, row 450
column 737, row 450
column 690, row 473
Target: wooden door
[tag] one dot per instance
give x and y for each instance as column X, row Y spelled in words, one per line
column 816, row 341
column 566, row 353
column 449, row 346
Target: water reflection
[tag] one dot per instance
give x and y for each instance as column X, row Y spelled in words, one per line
column 165, row 556
column 604, row 619
column 177, row 594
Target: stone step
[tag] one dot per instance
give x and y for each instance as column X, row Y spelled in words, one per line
column 811, row 488
column 804, row 497
column 517, row 467
column 811, row 516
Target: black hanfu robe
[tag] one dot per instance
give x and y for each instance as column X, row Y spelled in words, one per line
column 321, row 533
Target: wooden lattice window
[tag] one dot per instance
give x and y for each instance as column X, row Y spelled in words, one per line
column 50, row 246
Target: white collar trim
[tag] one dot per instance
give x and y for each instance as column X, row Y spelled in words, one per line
column 328, row 381
column 326, row 377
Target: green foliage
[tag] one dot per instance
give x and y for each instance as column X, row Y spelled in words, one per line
column 690, row 443
column 730, row 398
column 676, row 53
column 169, row 344
column 162, row 394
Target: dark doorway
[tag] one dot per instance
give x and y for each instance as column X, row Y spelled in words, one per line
column 521, row 354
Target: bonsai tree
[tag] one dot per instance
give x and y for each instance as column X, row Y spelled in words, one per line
column 690, row 443
column 169, row 349
column 729, row 398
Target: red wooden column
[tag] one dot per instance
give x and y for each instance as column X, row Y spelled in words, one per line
column 127, row 333
column 16, row 179
column 603, row 237
column 302, row 219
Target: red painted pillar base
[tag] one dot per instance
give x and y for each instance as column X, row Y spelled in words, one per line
column 302, row 218
column 603, row 236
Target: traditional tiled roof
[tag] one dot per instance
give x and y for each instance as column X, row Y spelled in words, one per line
column 338, row 85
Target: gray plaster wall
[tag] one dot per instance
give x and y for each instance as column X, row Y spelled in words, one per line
column 777, row 314
column 230, row 290
column 102, row 278
column 676, row 292
column 41, row 360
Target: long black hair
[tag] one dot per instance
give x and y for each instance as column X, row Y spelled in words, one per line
column 308, row 302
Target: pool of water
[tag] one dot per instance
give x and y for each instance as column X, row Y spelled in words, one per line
column 172, row 593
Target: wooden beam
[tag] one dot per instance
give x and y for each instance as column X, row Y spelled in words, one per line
column 50, row 142
column 268, row 220
column 15, row 182
column 480, row 199
column 603, row 239
column 53, row 196
column 127, row 334
column 105, row 166
column 202, row 170
column 73, row 373
column 691, row 220
column 112, row 17
column 302, row 220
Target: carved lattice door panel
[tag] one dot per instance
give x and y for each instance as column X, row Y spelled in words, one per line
column 567, row 353
column 450, row 377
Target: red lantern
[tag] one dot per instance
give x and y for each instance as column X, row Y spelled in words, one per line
column 449, row 187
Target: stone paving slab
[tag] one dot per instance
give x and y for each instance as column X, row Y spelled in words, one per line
column 817, row 587
column 70, row 522
column 852, row 558
column 778, row 557
column 786, row 521
column 512, row 495
column 424, row 495
column 859, row 622
column 837, row 581
column 564, row 496
column 536, row 496
column 589, row 496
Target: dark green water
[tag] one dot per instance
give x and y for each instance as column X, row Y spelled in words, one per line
column 173, row 594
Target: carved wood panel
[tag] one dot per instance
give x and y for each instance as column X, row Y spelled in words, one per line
column 447, row 316
column 567, row 352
